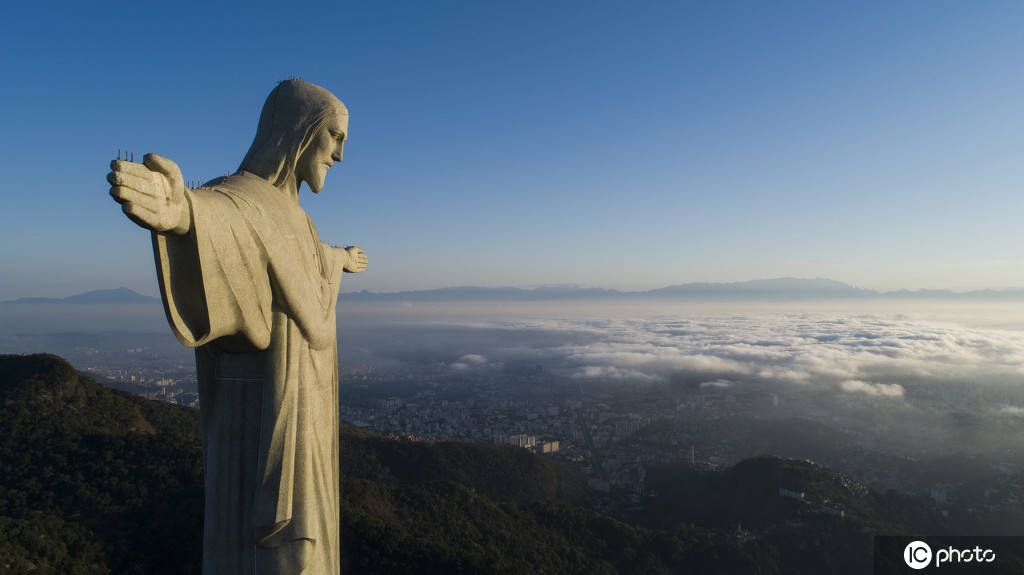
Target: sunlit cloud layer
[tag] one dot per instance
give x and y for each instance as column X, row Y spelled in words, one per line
column 859, row 355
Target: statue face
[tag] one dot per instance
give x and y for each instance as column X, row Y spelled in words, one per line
column 322, row 152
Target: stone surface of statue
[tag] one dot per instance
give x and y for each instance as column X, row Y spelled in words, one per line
column 246, row 281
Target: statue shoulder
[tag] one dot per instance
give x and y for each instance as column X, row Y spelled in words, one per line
column 242, row 182
column 243, row 188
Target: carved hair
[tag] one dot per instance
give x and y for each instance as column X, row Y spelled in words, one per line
column 293, row 113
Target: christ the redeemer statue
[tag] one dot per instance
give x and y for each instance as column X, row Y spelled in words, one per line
column 246, row 281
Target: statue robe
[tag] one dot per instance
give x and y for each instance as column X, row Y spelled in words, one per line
column 254, row 290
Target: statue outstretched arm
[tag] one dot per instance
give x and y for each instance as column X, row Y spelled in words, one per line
column 152, row 194
column 353, row 258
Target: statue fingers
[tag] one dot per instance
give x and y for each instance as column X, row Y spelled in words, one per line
column 124, row 166
column 142, row 216
column 163, row 165
column 141, row 184
column 118, row 193
column 122, row 194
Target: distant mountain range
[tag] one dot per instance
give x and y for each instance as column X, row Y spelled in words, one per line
column 769, row 289
column 117, row 295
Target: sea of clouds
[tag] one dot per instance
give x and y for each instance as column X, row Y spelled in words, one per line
column 891, row 357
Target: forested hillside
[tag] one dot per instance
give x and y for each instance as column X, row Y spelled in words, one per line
column 95, row 481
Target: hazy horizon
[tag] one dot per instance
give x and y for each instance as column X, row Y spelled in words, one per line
column 153, row 292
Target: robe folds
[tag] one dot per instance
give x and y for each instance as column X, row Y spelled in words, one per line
column 254, row 290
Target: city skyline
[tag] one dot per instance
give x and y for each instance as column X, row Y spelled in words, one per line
column 604, row 145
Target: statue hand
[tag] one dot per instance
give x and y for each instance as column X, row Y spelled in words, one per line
column 151, row 194
column 356, row 259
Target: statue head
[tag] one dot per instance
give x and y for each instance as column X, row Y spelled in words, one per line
column 301, row 132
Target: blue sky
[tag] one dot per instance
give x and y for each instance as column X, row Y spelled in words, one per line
column 623, row 145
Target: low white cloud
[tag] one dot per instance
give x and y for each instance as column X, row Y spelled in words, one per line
column 1012, row 410
column 473, row 359
column 875, row 389
column 612, row 372
column 717, row 384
